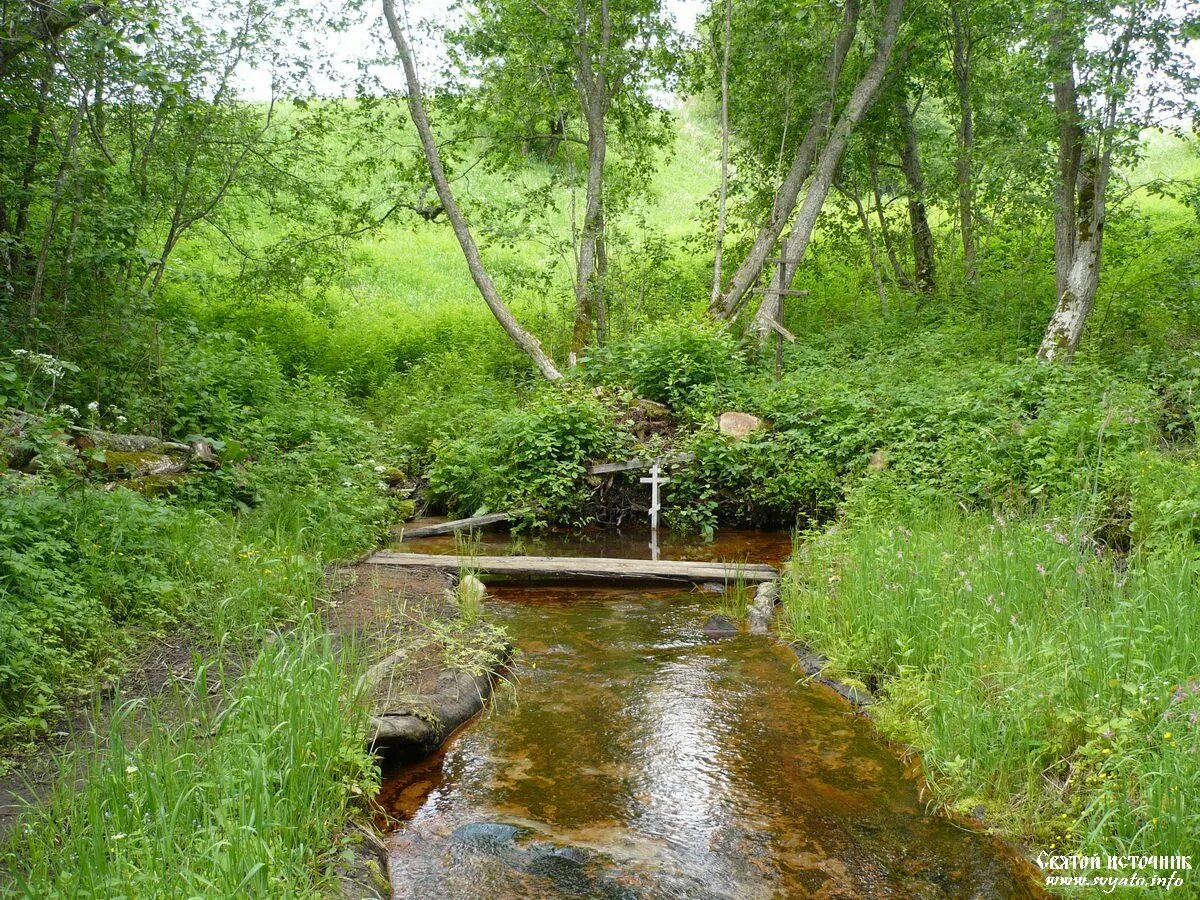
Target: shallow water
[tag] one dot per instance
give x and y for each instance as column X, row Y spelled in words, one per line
column 637, row 758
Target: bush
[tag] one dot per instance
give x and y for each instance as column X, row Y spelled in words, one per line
column 530, row 460
column 671, row 362
column 83, row 567
column 895, row 428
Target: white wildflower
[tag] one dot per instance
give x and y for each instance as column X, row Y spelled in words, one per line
column 94, row 406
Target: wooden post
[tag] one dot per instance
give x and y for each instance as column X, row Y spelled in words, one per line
column 779, row 319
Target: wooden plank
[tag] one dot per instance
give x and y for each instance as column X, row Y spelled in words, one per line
column 583, row 567
column 420, row 531
column 783, row 332
column 786, row 292
column 631, row 464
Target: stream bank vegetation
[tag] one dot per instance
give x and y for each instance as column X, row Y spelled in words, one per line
column 977, row 220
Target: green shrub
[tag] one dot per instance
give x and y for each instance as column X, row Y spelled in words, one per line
column 83, row 568
column 670, row 362
column 530, row 460
column 897, row 426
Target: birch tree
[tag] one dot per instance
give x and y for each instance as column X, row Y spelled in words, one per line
column 483, row 281
column 828, row 163
column 723, row 188
column 1114, row 70
column 588, row 67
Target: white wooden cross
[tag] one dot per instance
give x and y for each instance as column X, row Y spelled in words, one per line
column 655, row 479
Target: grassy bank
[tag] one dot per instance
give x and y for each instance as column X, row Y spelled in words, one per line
column 90, row 568
column 1040, row 677
column 235, row 793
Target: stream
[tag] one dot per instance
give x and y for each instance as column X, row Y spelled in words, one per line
column 638, row 758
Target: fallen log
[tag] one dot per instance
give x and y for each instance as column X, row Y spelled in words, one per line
column 420, row 531
column 583, row 567
column 632, row 464
column 126, row 443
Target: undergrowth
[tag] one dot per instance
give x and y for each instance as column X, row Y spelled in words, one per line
column 235, row 791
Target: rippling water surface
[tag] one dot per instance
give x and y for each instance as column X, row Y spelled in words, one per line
column 637, row 758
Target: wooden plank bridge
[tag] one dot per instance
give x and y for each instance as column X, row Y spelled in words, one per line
column 583, row 567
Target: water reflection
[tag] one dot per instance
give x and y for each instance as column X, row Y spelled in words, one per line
column 728, row 545
column 639, row 759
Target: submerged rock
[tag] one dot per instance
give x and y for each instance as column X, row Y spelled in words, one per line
column 489, row 836
column 718, row 627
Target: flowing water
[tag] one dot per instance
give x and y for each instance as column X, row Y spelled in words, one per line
column 638, row 758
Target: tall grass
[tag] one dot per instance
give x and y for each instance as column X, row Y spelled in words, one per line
column 237, row 794
column 1054, row 685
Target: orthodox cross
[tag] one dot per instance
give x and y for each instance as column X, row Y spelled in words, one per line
column 656, row 478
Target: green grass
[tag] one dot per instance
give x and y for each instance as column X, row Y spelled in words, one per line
column 238, row 794
column 1052, row 684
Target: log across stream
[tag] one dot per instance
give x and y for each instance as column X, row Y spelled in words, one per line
column 639, row 758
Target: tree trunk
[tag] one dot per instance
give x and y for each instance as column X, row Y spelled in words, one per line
column 918, row 217
column 1085, row 162
column 796, row 243
column 961, row 63
column 889, row 245
column 1070, row 148
column 65, row 168
column 728, row 304
column 594, row 101
column 876, row 270
column 487, row 288
column 723, row 191
column 1083, row 272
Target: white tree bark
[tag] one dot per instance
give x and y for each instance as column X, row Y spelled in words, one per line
column 729, row 303
column 1081, row 270
column 1085, row 163
column 796, row 243
column 723, row 191
column 483, row 281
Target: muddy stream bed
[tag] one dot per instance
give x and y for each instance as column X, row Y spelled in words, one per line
column 638, row 758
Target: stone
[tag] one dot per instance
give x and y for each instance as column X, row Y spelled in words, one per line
column 470, row 592
column 762, row 610
column 362, row 866
column 652, row 409
column 488, row 836
column 718, row 627
column 738, row 424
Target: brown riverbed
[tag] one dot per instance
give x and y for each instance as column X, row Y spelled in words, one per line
column 637, row 758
